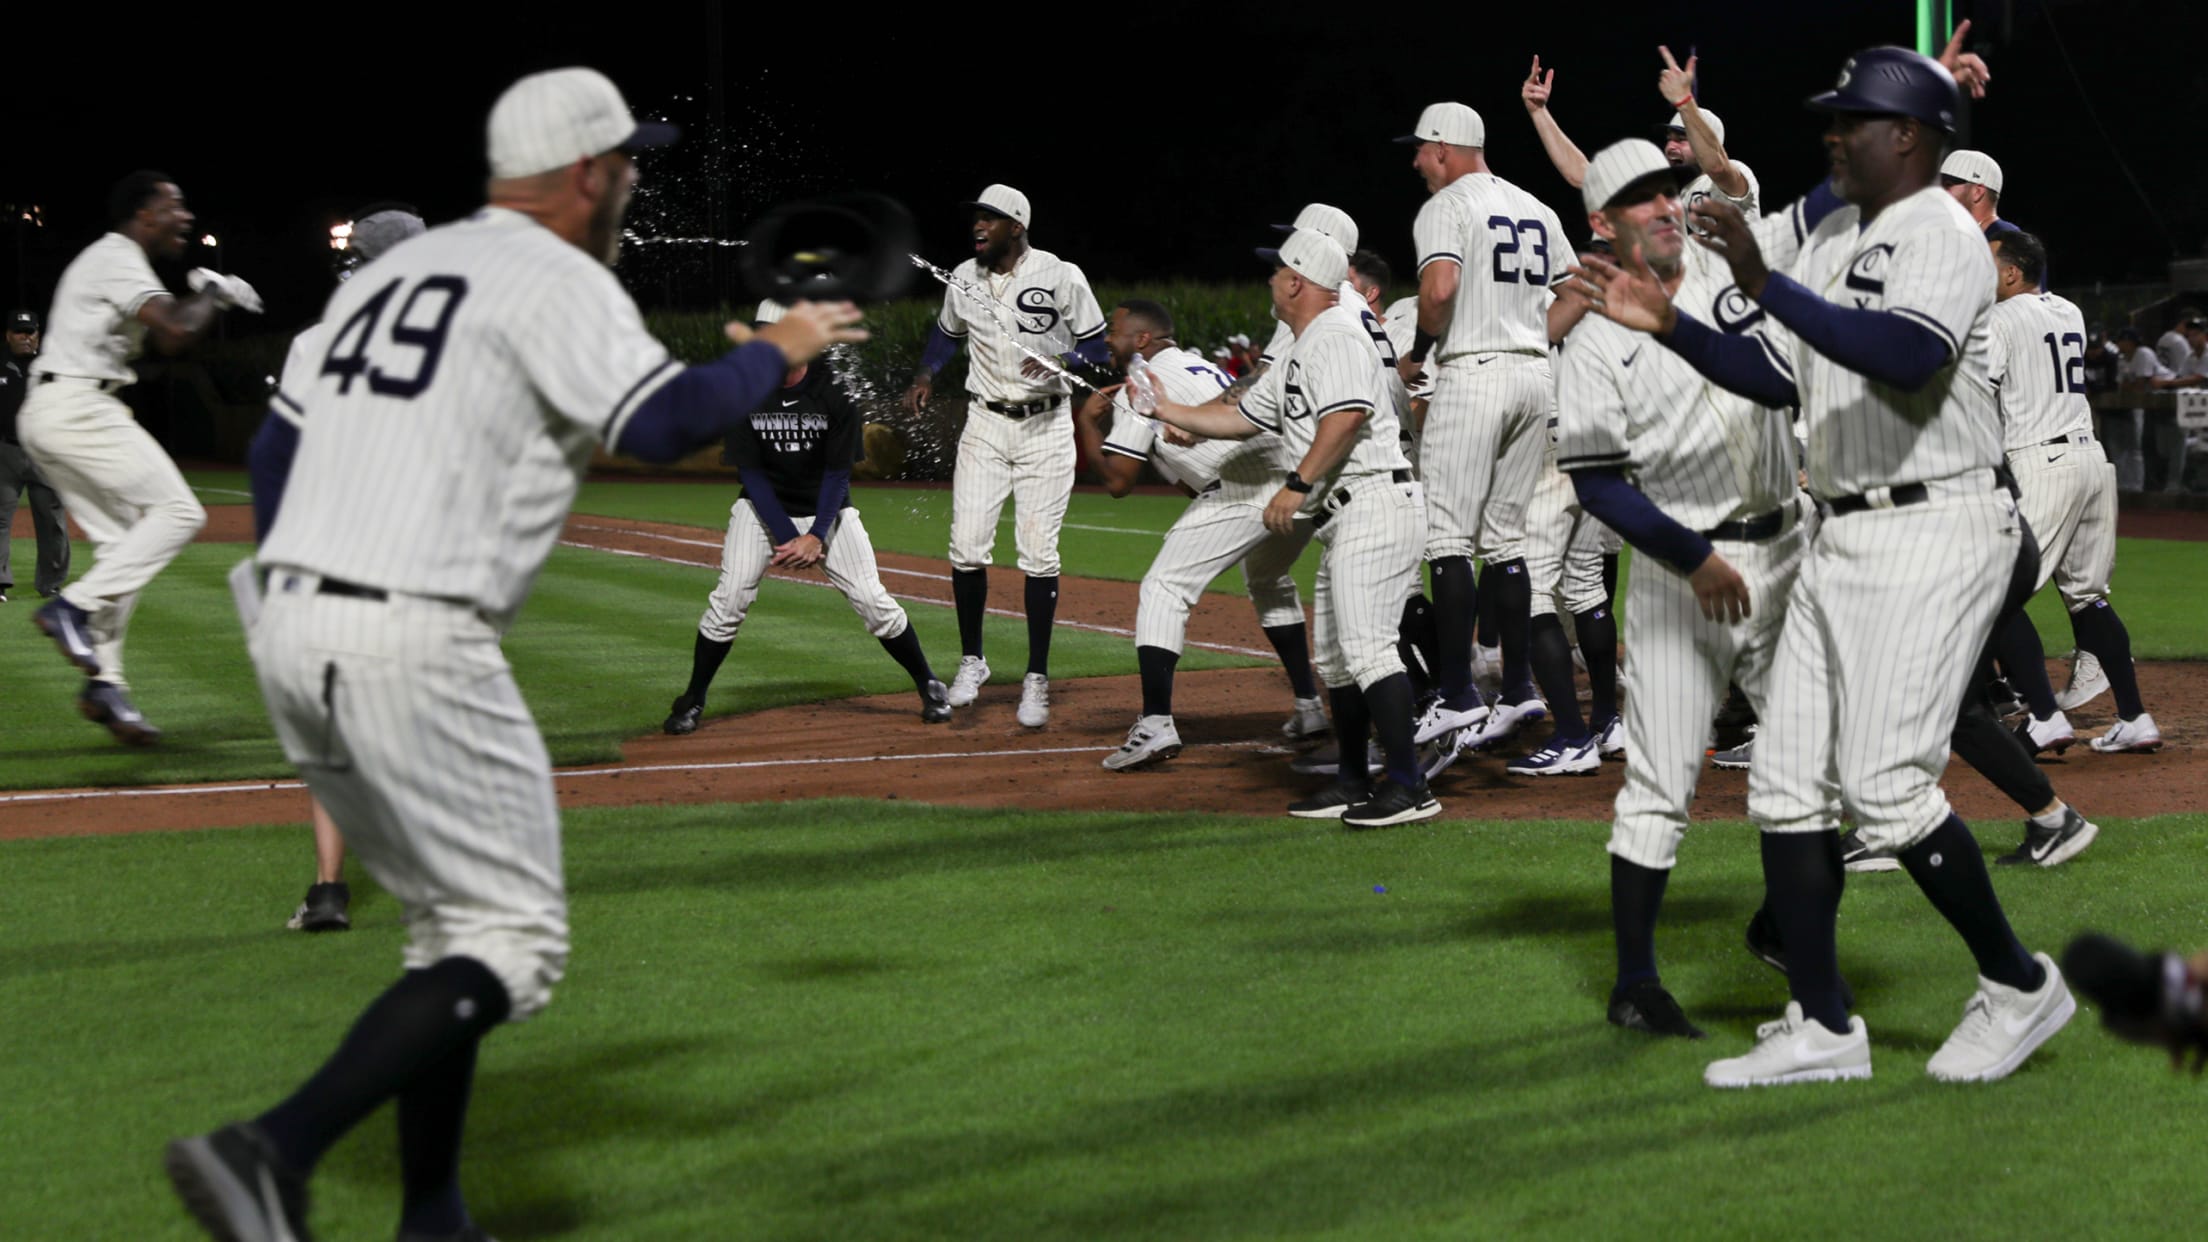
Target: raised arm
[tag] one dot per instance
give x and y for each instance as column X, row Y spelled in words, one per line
column 1570, row 161
column 1676, row 85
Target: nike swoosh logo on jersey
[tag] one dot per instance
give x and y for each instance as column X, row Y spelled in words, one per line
column 2055, row 457
column 1630, row 357
column 1484, row 361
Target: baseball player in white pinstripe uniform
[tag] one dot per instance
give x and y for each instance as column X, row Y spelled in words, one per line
column 469, row 375
column 1878, row 329
column 1487, row 254
column 2068, row 494
column 1703, row 480
column 110, row 474
column 1229, row 482
column 1326, row 221
column 1332, row 403
column 1008, row 303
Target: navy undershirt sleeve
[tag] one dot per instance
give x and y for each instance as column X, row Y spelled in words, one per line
column 1734, row 362
column 1604, row 492
column 1093, row 351
column 1879, row 345
column 940, row 349
column 268, row 463
column 759, row 490
column 834, row 486
column 698, row 405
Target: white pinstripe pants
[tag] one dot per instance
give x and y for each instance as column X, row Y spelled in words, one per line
column 405, row 721
column 1883, row 630
column 1480, row 453
column 849, row 564
column 1682, row 662
column 2070, row 501
column 1210, row 536
column 1369, row 562
column 1563, row 549
column 1029, row 461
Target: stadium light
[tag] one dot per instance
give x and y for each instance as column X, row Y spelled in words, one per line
column 341, row 235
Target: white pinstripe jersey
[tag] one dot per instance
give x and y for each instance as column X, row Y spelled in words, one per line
column 2038, row 369
column 468, row 376
column 1400, row 320
column 1250, row 469
column 1511, row 247
column 301, row 361
column 92, row 331
column 1699, row 453
column 1923, row 258
column 1702, row 188
column 1044, row 299
column 1337, row 363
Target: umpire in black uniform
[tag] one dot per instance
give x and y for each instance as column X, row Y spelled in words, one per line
column 19, row 477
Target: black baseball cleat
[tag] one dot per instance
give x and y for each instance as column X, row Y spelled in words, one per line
column 104, row 703
column 1392, row 804
column 935, row 702
column 325, row 909
column 71, row 629
column 683, row 716
column 2051, row 847
column 1646, row 1006
column 1330, row 802
column 1763, row 943
column 237, row 1190
column 1856, row 854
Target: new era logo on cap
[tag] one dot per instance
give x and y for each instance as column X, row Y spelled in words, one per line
column 1976, row 167
column 549, row 120
column 1453, row 123
column 1621, row 165
column 1005, row 201
column 1332, row 221
column 1315, row 256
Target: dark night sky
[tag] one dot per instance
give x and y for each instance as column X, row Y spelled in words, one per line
column 1148, row 148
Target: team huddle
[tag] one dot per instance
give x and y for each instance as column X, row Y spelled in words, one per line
column 1832, row 434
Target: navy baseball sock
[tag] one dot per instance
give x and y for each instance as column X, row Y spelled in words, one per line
column 1598, row 645
column 2100, row 631
column 2016, row 642
column 1490, row 632
column 1388, row 700
column 1292, row 643
column 1512, row 588
column 1610, row 577
column 1456, row 615
column 1157, row 679
column 1352, row 727
column 1983, row 742
column 1802, row 879
column 904, row 647
column 1636, row 894
column 1951, row 871
column 433, row 1113
column 1552, row 664
column 1415, row 641
column 970, row 592
column 1042, row 610
column 705, row 660
column 400, row 1037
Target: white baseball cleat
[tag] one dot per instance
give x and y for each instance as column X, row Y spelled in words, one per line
column 2001, row 1026
column 1152, row 740
column 1610, row 740
column 1574, row 758
column 2053, row 733
column 1309, row 720
column 2136, row 734
column 1796, row 1049
column 2088, row 681
column 1505, row 719
column 1438, row 718
column 973, row 674
column 1739, row 757
column 1034, row 700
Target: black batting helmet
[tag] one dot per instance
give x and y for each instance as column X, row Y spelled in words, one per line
column 1894, row 81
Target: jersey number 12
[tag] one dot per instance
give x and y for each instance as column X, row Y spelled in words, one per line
column 423, row 319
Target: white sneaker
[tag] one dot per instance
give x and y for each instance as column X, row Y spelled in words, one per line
column 1796, row 1049
column 973, row 673
column 1309, row 720
column 1438, row 719
column 2088, row 681
column 1559, row 759
column 2001, row 1026
column 2053, row 733
column 2138, row 734
column 1611, row 741
column 1487, row 669
column 1504, row 719
column 1152, row 740
column 1034, row 698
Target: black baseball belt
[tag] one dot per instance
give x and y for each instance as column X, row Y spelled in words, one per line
column 1749, row 530
column 352, row 590
column 85, row 381
column 1902, row 496
column 1018, row 410
column 1342, row 496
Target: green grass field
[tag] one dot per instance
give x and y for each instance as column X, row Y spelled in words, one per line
column 833, row 1020
column 841, row 1020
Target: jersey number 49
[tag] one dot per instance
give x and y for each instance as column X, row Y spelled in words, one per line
column 417, row 330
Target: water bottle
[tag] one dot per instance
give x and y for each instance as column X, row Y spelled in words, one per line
column 1142, row 386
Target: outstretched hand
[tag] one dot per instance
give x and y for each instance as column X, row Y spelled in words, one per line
column 1970, row 72
column 1629, row 294
column 807, row 330
column 1720, row 226
column 1676, row 83
column 1534, row 91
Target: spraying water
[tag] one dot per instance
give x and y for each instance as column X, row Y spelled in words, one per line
column 994, row 309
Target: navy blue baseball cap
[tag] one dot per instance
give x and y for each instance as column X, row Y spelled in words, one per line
column 1894, row 81
column 22, row 321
